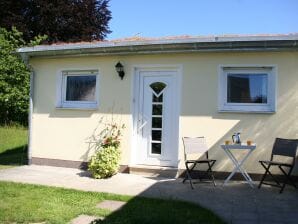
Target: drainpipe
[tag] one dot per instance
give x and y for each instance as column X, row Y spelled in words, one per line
column 25, row 59
column 30, row 116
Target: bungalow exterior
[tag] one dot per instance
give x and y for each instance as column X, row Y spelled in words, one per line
column 173, row 87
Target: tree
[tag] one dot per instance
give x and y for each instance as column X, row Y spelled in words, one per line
column 60, row 20
column 14, row 78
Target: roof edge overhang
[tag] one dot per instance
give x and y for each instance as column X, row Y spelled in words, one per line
column 283, row 43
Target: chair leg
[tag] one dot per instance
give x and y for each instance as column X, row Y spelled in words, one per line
column 211, row 173
column 190, row 169
column 271, row 175
column 288, row 178
column 188, row 175
column 265, row 174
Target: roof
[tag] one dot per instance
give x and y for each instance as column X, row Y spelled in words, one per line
column 172, row 44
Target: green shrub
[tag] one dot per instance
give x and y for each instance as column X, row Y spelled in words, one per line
column 14, row 78
column 105, row 162
column 106, row 142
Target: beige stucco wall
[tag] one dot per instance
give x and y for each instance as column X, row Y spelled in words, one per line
column 63, row 134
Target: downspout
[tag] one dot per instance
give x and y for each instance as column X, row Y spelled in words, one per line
column 25, row 59
column 29, row 155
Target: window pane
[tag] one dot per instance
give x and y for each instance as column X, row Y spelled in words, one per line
column 80, row 88
column 156, row 135
column 156, row 109
column 157, row 99
column 156, row 148
column 247, row 88
column 158, row 87
column 156, row 122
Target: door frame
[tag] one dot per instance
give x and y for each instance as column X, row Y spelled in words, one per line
column 136, row 70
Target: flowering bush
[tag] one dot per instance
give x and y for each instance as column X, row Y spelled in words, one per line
column 105, row 162
column 111, row 135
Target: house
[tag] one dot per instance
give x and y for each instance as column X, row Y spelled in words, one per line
column 172, row 87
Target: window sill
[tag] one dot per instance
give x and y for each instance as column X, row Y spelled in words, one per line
column 247, row 111
column 76, row 108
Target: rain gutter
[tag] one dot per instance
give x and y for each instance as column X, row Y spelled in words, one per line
column 217, row 44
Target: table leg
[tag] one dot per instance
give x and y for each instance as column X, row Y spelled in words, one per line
column 238, row 166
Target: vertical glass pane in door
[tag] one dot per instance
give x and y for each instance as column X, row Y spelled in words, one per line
column 157, row 87
column 156, row 122
column 157, row 117
column 156, row 148
column 156, row 135
column 157, row 109
column 157, row 99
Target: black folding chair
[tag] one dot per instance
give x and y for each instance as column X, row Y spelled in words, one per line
column 286, row 148
column 196, row 145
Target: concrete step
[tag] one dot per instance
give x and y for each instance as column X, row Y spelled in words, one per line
column 154, row 171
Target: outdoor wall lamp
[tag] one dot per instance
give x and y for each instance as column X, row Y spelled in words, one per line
column 120, row 69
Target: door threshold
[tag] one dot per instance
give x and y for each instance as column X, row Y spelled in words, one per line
column 154, row 171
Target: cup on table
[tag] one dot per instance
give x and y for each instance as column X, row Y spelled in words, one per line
column 227, row 142
column 249, row 142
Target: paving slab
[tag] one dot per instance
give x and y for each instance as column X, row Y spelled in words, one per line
column 235, row 203
column 84, row 219
column 111, row 205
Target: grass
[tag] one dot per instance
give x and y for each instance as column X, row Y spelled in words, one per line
column 13, row 146
column 26, row 203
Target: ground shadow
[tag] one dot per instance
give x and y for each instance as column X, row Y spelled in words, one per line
column 234, row 203
column 138, row 210
column 15, row 156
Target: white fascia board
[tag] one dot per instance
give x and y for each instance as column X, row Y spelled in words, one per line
column 147, row 43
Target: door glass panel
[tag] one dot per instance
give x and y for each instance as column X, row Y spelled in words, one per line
column 157, row 109
column 156, row 122
column 157, row 99
column 156, row 148
column 157, row 112
column 156, row 135
column 157, row 87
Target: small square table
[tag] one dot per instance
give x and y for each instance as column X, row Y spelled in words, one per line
column 238, row 164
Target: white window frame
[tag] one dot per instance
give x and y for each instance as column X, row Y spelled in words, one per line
column 61, row 90
column 269, row 107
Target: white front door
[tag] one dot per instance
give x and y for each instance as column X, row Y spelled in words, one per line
column 157, row 118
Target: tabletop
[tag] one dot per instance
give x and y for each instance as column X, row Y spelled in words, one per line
column 239, row 146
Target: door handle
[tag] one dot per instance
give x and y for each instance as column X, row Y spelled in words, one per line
column 144, row 120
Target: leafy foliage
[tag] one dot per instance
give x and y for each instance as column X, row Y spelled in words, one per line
column 14, row 78
column 63, row 20
column 105, row 162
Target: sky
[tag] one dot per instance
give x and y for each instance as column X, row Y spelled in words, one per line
column 161, row 18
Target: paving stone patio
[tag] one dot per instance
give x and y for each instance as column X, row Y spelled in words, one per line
column 235, row 203
column 111, row 205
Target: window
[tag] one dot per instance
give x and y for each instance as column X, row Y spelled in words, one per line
column 247, row 89
column 78, row 89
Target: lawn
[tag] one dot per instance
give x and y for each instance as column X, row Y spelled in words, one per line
column 25, row 203
column 13, row 146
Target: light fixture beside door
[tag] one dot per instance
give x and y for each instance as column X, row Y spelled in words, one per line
column 120, row 70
